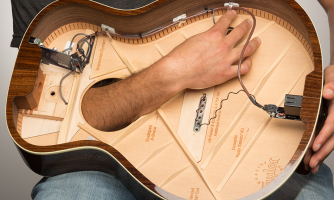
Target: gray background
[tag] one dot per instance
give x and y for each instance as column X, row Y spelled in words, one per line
column 16, row 178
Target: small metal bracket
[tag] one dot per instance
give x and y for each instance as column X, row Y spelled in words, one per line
column 108, row 28
column 231, row 5
column 200, row 113
column 179, row 18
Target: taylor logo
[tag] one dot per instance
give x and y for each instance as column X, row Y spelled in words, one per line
column 267, row 172
column 194, row 194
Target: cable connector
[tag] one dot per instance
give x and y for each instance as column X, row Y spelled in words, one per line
column 231, row 5
column 270, row 108
column 253, row 100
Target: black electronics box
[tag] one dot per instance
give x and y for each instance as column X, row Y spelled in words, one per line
column 293, row 105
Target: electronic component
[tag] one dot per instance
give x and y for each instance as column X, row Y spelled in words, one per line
column 51, row 56
column 199, row 120
column 200, row 113
column 75, row 62
column 293, row 105
column 37, row 41
column 291, row 110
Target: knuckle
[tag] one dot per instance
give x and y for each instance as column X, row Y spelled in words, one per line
column 226, row 20
column 329, row 74
column 215, row 34
column 237, row 54
column 249, row 50
column 330, row 83
column 239, row 32
column 245, row 68
column 330, row 126
column 226, row 46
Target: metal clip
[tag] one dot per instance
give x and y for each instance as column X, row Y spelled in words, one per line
column 200, row 113
column 231, row 5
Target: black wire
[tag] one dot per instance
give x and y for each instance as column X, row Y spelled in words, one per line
column 253, row 100
column 221, row 105
column 213, row 15
column 89, row 46
column 70, row 48
column 61, row 81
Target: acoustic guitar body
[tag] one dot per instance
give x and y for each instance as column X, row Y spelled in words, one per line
column 243, row 153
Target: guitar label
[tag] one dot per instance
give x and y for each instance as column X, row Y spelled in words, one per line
column 267, row 172
column 150, row 136
column 194, row 194
column 238, row 141
column 213, row 126
column 101, row 54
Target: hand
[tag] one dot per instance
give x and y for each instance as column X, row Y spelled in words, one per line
column 324, row 143
column 206, row 59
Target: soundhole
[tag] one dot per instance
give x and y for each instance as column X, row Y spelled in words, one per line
column 101, row 84
column 106, row 82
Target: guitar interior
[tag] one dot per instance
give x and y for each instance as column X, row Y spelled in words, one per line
column 240, row 152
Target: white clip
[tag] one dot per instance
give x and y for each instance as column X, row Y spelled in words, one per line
column 108, row 28
column 231, row 5
column 179, row 18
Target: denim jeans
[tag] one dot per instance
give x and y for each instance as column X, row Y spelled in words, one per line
column 93, row 185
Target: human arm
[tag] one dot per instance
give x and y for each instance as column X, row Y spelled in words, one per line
column 323, row 144
column 201, row 61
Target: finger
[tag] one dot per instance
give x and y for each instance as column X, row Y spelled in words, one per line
column 308, row 155
column 251, row 48
column 224, row 22
column 323, row 152
column 326, row 131
column 316, row 169
column 239, row 32
column 328, row 92
column 245, row 67
column 307, row 159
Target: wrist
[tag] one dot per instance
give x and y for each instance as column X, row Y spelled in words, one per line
column 169, row 76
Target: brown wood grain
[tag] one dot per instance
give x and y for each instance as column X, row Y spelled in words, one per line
column 162, row 11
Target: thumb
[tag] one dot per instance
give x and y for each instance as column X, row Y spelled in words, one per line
column 328, row 92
